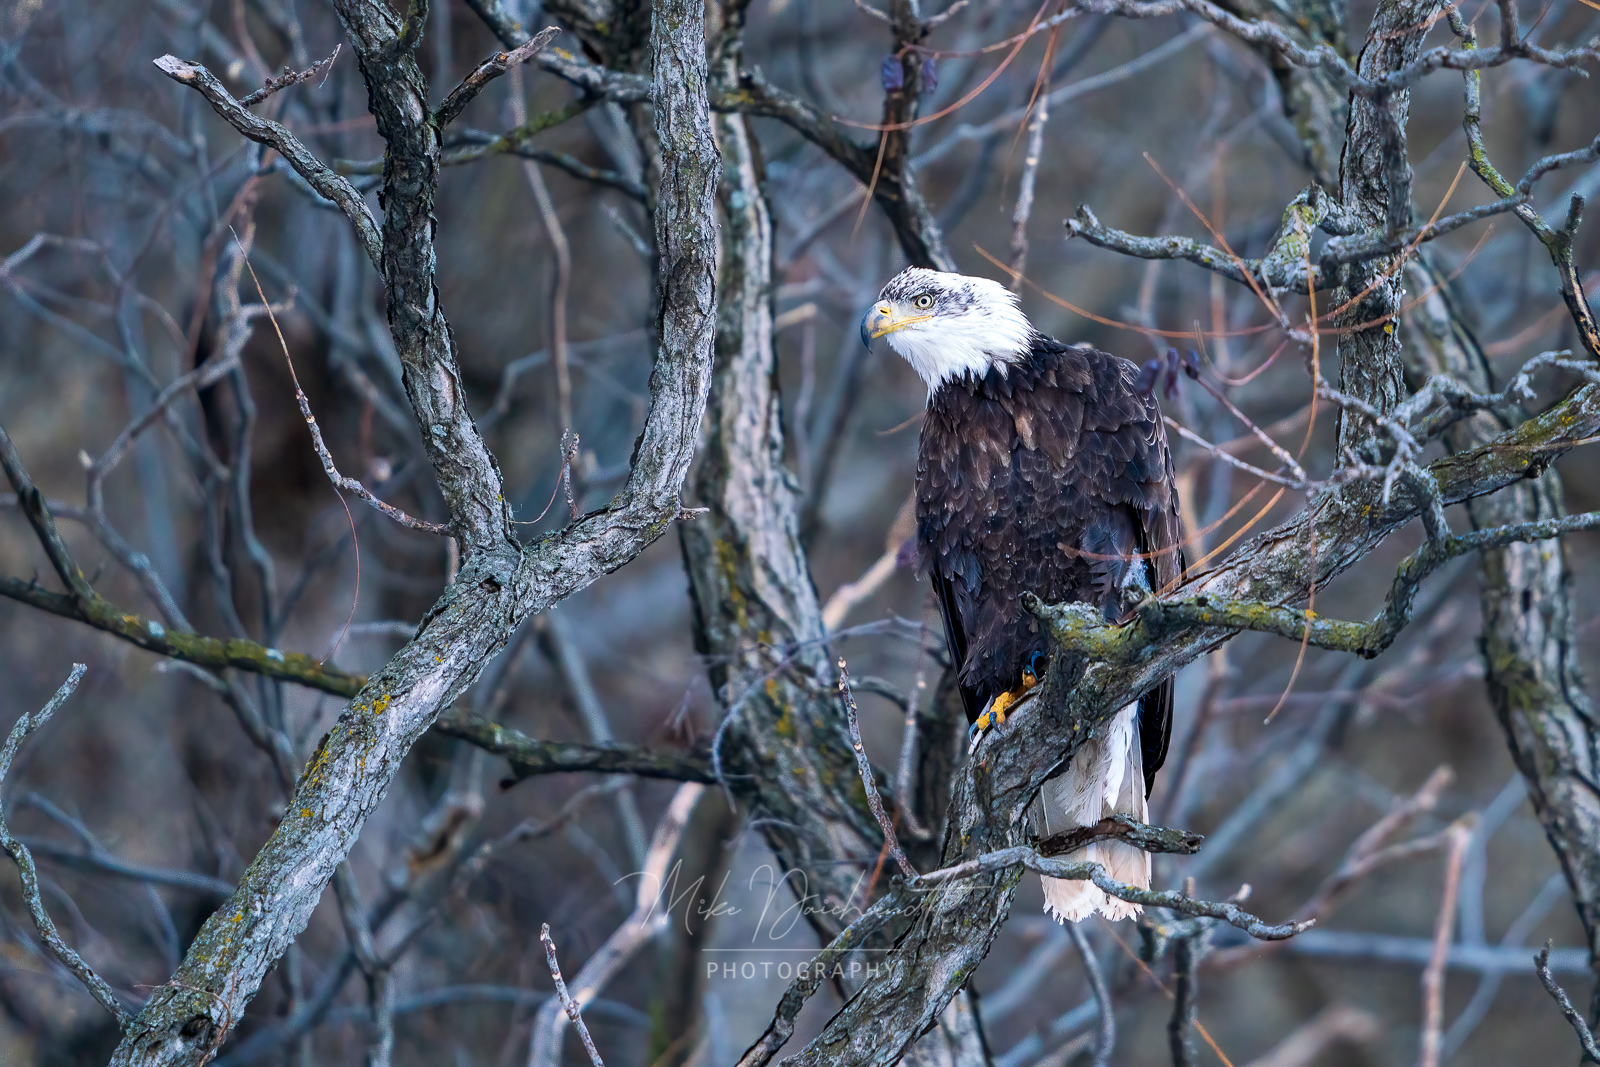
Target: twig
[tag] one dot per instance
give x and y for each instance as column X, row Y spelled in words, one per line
column 557, row 236
column 810, row 977
column 289, row 77
column 1227, row 911
column 566, row 998
column 908, row 739
column 1107, row 1039
column 317, row 174
column 649, row 918
column 1185, row 997
column 1368, row 854
column 1541, row 965
column 488, row 71
column 339, row 481
column 869, row 782
column 1459, row 836
column 29, row 873
column 1030, row 165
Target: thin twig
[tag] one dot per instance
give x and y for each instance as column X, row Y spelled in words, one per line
column 1541, row 965
column 29, row 873
column 1030, row 165
column 339, row 481
column 1459, row 836
column 566, row 998
column 908, row 739
column 869, row 782
column 550, row 219
column 290, row 77
column 1107, row 1039
column 648, row 918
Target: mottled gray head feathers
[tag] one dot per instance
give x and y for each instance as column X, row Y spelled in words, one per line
column 949, row 325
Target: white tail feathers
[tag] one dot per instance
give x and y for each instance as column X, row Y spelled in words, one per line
column 1105, row 777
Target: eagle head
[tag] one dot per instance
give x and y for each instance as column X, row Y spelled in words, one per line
column 948, row 325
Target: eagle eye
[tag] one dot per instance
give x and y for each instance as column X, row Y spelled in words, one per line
column 923, row 302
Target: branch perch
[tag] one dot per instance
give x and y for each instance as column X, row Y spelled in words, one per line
column 1227, row 911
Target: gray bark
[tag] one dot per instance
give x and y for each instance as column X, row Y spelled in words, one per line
column 1375, row 193
column 1527, row 643
column 187, row 1019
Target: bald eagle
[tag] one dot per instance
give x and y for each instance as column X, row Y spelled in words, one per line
column 1042, row 467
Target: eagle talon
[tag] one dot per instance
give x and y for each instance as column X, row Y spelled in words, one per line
column 995, row 713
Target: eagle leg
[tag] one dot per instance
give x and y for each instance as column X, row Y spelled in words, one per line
column 995, row 713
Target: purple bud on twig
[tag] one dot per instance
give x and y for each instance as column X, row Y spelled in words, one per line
column 930, row 76
column 1191, row 364
column 1147, row 376
column 894, row 75
column 1169, row 388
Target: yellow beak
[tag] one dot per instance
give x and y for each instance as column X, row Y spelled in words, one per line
column 880, row 321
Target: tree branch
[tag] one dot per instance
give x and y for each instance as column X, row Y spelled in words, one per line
column 497, row 586
column 317, row 174
column 29, row 874
column 488, row 71
column 530, row 757
column 1227, row 911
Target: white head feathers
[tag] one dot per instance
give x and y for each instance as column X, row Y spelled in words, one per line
column 949, row 325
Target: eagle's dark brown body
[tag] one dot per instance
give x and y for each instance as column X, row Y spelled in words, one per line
column 1027, row 479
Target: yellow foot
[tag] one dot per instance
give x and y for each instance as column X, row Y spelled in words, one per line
column 995, row 714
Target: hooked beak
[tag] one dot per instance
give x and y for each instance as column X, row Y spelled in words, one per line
column 880, row 320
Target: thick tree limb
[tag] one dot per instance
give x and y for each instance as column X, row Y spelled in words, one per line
column 186, row 1019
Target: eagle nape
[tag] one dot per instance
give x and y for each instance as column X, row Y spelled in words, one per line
column 1042, row 467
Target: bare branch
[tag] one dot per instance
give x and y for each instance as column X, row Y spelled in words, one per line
column 1541, row 965
column 809, row 979
column 530, row 757
column 1227, row 911
column 488, row 71
column 869, row 778
column 498, row 584
column 1325, row 57
column 19, row 854
column 289, row 78
column 1085, row 632
column 1457, row 838
column 1106, row 1041
column 567, row 1003
column 1123, row 828
column 265, row 131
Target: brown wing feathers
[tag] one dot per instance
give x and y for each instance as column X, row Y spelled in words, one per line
column 1022, row 477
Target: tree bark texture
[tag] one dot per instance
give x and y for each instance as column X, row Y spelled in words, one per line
column 1375, row 194
column 1527, row 644
column 186, row 1020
